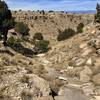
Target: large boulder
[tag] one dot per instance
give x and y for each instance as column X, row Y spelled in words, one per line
column 71, row 93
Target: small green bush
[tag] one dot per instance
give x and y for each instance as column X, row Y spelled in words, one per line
column 41, row 46
column 38, row 36
column 22, row 28
column 11, row 41
column 67, row 33
column 80, row 28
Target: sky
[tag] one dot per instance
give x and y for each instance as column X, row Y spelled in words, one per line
column 57, row 5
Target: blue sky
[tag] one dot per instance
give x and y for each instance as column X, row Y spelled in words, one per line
column 58, row 5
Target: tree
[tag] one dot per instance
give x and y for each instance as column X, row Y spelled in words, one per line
column 97, row 15
column 80, row 28
column 42, row 12
column 6, row 21
column 22, row 28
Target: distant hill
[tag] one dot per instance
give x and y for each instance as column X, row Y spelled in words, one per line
column 83, row 11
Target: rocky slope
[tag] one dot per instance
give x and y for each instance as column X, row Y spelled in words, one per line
column 51, row 23
column 69, row 71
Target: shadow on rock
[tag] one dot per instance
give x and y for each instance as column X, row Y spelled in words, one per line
column 24, row 51
column 7, row 52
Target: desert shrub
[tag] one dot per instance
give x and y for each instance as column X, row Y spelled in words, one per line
column 80, row 28
column 67, row 33
column 11, row 41
column 25, row 38
column 38, row 36
column 41, row 46
column 22, row 28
